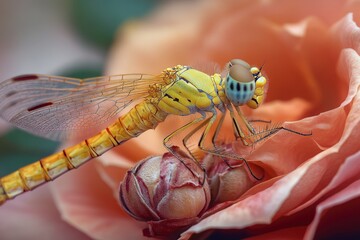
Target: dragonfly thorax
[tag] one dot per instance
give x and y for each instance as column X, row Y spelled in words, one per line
column 191, row 92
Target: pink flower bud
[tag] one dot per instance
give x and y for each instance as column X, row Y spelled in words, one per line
column 165, row 190
column 228, row 179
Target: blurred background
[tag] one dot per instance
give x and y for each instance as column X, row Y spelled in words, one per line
column 59, row 37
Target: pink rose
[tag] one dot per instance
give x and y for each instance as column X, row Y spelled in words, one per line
column 311, row 55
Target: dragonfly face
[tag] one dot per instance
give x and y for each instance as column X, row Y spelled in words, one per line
column 244, row 84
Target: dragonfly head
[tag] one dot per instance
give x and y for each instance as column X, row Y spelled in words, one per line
column 244, row 84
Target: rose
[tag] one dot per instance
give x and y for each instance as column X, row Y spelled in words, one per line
column 311, row 59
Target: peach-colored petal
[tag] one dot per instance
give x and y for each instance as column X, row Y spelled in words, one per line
column 112, row 159
column 281, row 111
column 86, row 203
column 353, row 62
column 112, row 169
column 348, row 33
column 326, row 129
column 348, row 61
column 348, row 171
column 337, row 215
column 35, row 216
column 257, row 209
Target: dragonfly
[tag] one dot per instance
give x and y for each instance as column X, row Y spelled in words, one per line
column 60, row 107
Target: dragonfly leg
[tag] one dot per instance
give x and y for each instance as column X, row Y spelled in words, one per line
column 214, row 137
column 245, row 121
column 222, row 154
column 218, row 152
column 263, row 134
column 218, row 127
column 238, row 132
column 189, row 135
column 176, row 132
column 181, row 129
column 257, row 136
column 206, row 122
column 226, row 155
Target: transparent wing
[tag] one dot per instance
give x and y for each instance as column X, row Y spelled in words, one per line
column 59, row 107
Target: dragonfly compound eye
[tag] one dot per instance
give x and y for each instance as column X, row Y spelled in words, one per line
column 240, row 83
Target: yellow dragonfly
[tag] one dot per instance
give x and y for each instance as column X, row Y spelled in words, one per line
column 57, row 107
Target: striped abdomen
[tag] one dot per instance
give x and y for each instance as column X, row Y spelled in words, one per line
column 142, row 117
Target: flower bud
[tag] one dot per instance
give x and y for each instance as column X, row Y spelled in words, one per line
column 228, row 179
column 161, row 189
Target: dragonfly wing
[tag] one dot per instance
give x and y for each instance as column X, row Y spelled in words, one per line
column 59, row 107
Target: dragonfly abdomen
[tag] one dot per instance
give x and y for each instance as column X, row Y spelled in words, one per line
column 142, row 117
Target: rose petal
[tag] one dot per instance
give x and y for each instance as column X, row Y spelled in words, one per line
column 344, row 173
column 324, row 126
column 39, row 217
column 347, row 33
column 342, row 205
column 348, row 171
column 281, row 111
column 112, row 169
column 88, row 204
column 256, row 209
